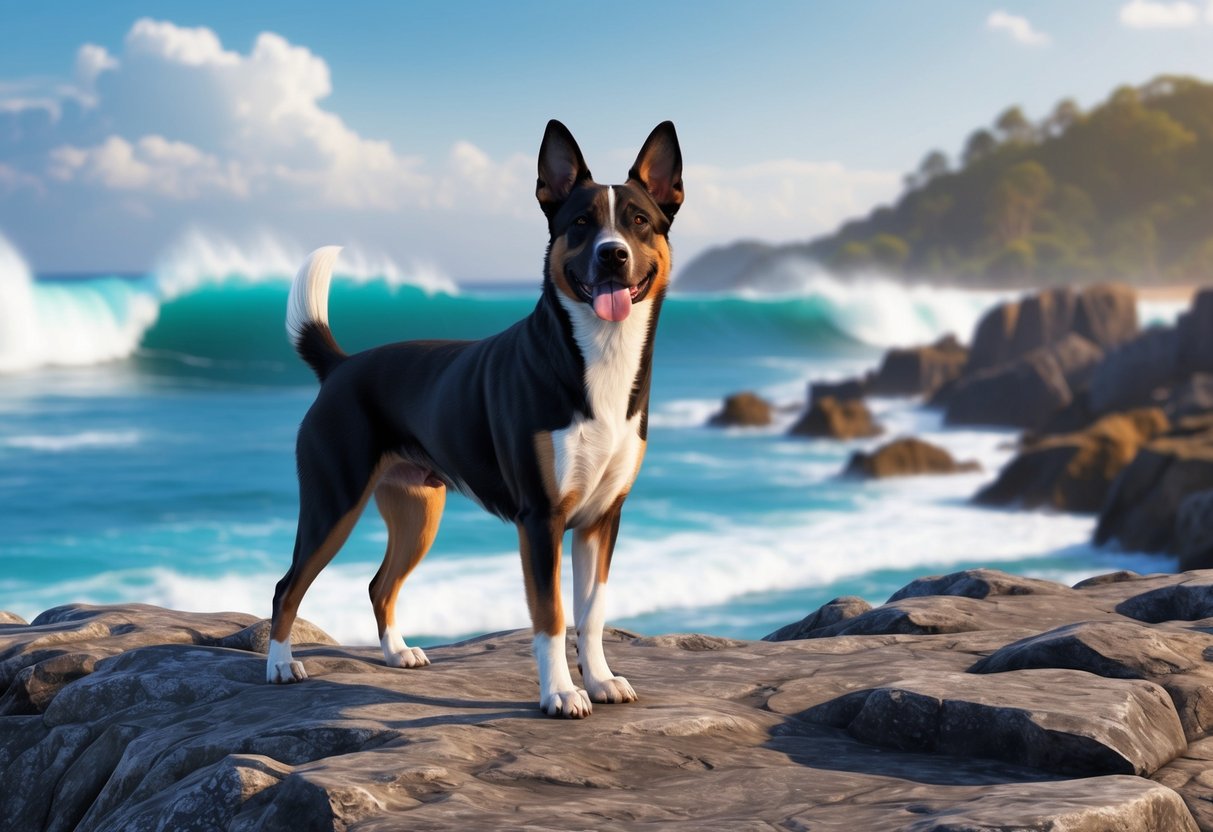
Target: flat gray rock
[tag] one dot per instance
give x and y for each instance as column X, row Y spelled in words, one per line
column 136, row 717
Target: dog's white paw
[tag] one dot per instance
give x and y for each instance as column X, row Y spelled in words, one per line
column 283, row 673
column 614, row 691
column 408, row 657
column 569, row 704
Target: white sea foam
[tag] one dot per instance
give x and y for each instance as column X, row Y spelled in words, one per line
column 73, row 441
column 199, row 257
column 65, row 325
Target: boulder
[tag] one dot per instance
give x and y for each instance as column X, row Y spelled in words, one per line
column 977, row 583
column 1044, row 318
column 1106, row 314
column 838, row 610
column 919, row 370
column 1143, row 504
column 1074, row 472
column 1023, row 393
column 1194, row 531
column 1077, row 357
column 905, row 457
column 836, row 419
column 850, row 389
column 1137, row 373
column 1191, row 397
column 1196, row 335
column 992, row 339
column 743, row 409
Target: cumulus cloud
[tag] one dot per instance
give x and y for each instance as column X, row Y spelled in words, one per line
column 1019, row 28
column 176, row 129
column 1156, row 14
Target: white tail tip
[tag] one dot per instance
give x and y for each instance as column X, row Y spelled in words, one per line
column 309, row 299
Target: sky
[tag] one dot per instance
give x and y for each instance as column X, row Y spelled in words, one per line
column 410, row 130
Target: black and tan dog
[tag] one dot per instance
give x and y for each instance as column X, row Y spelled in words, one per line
column 543, row 424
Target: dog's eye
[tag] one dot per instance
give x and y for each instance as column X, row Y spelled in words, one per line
column 582, row 220
column 640, row 219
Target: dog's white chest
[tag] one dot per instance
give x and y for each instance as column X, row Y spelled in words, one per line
column 597, row 458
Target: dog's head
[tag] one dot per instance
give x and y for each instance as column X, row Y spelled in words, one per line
column 609, row 244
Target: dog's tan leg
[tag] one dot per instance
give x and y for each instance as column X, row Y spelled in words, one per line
column 539, row 537
column 593, row 546
column 412, row 512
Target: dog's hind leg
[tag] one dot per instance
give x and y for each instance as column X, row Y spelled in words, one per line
column 593, row 546
column 411, row 503
column 539, row 537
column 328, row 509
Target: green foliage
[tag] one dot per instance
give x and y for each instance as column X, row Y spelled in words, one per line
column 1125, row 190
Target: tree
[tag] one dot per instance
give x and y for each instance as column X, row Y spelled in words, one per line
column 1065, row 115
column 1014, row 126
column 980, row 145
column 1017, row 198
column 889, row 251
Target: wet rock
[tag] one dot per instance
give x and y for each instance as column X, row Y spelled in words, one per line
column 844, row 391
column 1194, row 531
column 834, row 419
column 1192, row 397
column 743, row 409
column 906, row 457
column 919, row 370
column 1106, row 314
column 1196, row 335
column 1024, row 393
column 1143, row 504
column 1074, row 472
column 838, row 610
column 1136, row 374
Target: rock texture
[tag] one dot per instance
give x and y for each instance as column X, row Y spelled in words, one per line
column 974, row 701
column 1142, row 508
column 1074, row 471
column 905, row 457
column 743, row 409
column 919, row 370
column 834, row 419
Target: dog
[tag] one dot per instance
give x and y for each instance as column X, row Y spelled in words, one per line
column 545, row 424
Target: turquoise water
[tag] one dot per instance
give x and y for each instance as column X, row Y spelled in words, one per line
column 146, row 454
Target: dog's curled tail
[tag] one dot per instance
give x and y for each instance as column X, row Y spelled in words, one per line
column 307, row 313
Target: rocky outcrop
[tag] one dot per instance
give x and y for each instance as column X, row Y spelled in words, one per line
column 830, row 418
column 1194, row 530
column 1143, row 505
column 1137, row 373
column 1012, row 704
column 1023, row 393
column 743, row 410
column 904, row 457
column 1196, row 335
column 846, row 390
column 1105, row 315
column 919, row 370
column 1075, row 471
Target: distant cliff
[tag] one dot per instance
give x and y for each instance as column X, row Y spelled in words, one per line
column 1124, row 191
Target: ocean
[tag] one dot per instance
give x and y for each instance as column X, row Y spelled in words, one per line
column 147, row 428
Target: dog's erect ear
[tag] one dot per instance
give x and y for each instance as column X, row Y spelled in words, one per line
column 659, row 168
column 561, row 167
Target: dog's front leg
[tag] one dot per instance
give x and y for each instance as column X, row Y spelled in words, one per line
column 539, row 537
column 592, row 549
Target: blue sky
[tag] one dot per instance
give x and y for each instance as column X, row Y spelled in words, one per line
column 410, row 129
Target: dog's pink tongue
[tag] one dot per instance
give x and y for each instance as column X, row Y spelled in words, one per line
column 612, row 301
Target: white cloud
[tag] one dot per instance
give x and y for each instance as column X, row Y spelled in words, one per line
column 1156, row 14
column 176, row 130
column 1019, row 28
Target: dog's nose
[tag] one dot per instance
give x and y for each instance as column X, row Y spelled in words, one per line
column 612, row 255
